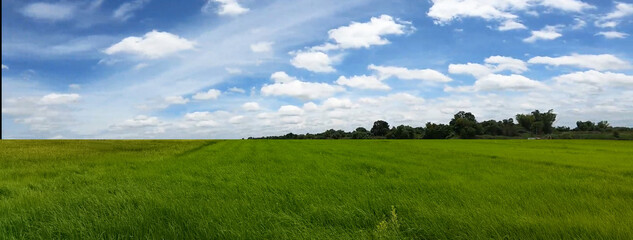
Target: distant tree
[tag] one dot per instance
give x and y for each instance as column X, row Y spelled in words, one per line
column 585, row 126
column 537, row 122
column 402, row 132
column 492, row 127
column 360, row 133
column 465, row 125
column 616, row 134
column 525, row 121
column 562, row 129
column 603, row 126
column 508, row 127
column 380, row 128
column 437, row 131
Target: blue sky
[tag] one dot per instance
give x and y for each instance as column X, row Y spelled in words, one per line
column 240, row 68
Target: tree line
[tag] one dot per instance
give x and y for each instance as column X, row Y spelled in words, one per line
column 464, row 125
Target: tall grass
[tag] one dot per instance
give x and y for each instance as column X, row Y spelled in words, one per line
column 376, row 189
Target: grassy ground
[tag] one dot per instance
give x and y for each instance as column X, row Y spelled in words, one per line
column 452, row 189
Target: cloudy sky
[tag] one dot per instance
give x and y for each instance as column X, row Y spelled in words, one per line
column 240, row 68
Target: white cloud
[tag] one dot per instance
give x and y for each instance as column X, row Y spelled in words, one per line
column 566, row 5
column 336, row 103
column 313, row 61
column 5, row 67
column 231, row 70
column 547, row 33
column 621, row 10
column 237, row 90
column 126, row 10
column 289, row 86
column 55, row 99
column 579, row 24
column 282, row 77
column 145, row 124
column 385, row 72
column 474, row 69
column 363, row 82
column 613, row 34
column 597, row 62
column 501, row 63
column 251, row 106
column 176, row 100
column 153, row 45
column 237, row 119
column 290, row 110
column 262, row 47
column 49, row 11
column 606, row 24
column 496, row 82
column 227, row 7
column 208, row 95
column 494, row 64
column 596, row 78
column 511, row 24
column 445, row 11
column 365, row 35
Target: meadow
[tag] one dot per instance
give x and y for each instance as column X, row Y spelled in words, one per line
column 317, row 189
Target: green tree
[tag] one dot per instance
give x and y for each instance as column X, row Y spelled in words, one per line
column 492, row 127
column 380, row 128
column 360, row 133
column 465, row 125
column 402, row 132
column 437, row 131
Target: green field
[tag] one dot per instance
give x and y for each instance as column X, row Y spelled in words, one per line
column 374, row 189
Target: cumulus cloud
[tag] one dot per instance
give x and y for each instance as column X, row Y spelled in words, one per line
column 208, row 95
column 474, row 69
column 511, row 24
column 237, row 90
column 445, row 11
column 496, row 82
column 489, row 80
column 612, row 34
column 363, row 82
column 621, row 10
column 501, row 63
column 251, row 106
column 176, row 100
column 597, row 62
column 597, row 78
column 336, row 103
column 313, row 61
column 262, row 47
column 493, row 64
column 289, row 86
column 365, row 35
column 141, row 123
column 55, row 99
column 547, row 33
column 290, row 110
column 226, row 7
column 49, row 11
column 237, row 119
column 126, row 10
column 613, row 18
column 200, row 120
column 152, row 45
column 385, row 72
